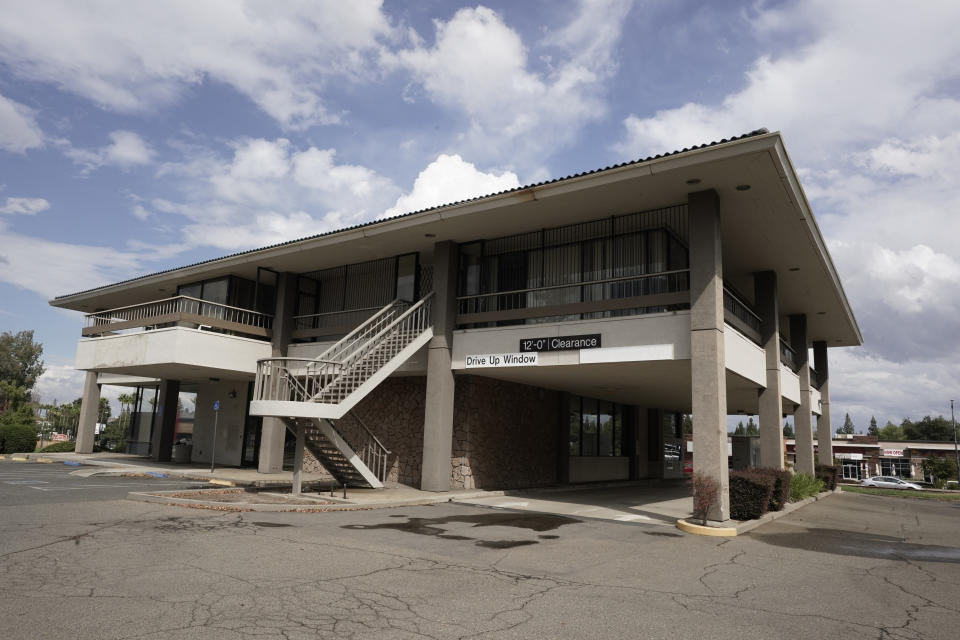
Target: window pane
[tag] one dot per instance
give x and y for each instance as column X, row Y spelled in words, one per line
column 193, row 289
column 605, row 429
column 216, row 290
column 574, row 420
column 407, row 277
column 588, row 445
column 617, row 431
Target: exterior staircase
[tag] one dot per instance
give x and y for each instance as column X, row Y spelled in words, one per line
column 313, row 393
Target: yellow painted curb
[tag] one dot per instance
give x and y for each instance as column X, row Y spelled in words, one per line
column 18, row 459
column 700, row 530
column 3, row 457
column 47, row 460
column 225, row 483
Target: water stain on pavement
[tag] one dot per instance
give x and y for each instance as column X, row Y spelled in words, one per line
column 437, row 527
column 859, row 544
column 272, row 524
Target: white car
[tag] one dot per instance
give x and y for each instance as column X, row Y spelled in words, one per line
column 889, row 482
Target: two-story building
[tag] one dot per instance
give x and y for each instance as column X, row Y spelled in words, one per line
column 548, row 334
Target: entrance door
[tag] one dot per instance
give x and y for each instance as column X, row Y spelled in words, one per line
column 252, row 427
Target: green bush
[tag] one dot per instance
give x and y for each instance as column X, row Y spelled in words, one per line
column 59, row 447
column 749, row 494
column 17, row 438
column 804, row 485
column 781, row 486
column 829, row 474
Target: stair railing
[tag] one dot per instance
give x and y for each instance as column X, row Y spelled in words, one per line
column 371, row 450
column 335, row 352
column 410, row 324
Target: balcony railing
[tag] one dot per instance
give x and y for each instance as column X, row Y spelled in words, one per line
column 334, row 323
column 788, row 356
column 648, row 293
column 179, row 309
column 739, row 314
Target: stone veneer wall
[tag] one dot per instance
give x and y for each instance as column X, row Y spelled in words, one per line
column 394, row 413
column 504, row 434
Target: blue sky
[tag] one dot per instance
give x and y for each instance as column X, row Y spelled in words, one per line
column 141, row 136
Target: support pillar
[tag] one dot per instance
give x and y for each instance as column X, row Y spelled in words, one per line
column 298, row 459
column 707, row 358
column 438, row 413
column 273, row 432
column 162, row 446
column 89, row 411
column 770, row 401
column 802, row 417
column 824, row 444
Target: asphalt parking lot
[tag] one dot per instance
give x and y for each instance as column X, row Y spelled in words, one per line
column 849, row 566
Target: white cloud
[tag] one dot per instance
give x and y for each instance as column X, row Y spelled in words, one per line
column 479, row 65
column 55, row 268
column 450, row 179
column 847, row 85
column 59, row 383
column 126, row 150
column 135, row 57
column 24, row 206
column 19, row 130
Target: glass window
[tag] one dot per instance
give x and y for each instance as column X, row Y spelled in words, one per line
column 193, row 290
column 574, row 420
column 605, row 429
column 216, row 290
column 407, row 277
column 588, row 441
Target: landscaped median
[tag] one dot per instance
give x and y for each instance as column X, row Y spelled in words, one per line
column 757, row 496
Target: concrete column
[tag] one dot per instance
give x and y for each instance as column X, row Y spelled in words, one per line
column 707, row 358
column 824, row 428
column 802, row 417
column 166, row 418
column 89, row 411
column 770, row 400
column 274, row 431
column 298, row 459
column 438, row 413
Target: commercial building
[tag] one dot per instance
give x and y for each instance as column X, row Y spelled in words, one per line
column 861, row 456
column 548, row 334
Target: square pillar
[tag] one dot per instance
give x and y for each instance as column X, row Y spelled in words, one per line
column 273, row 432
column 802, row 417
column 770, row 400
column 707, row 358
column 824, row 444
column 166, row 417
column 438, row 413
column 89, row 411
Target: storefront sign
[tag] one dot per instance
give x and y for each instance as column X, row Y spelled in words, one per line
column 560, row 343
column 500, row 360
column 849, row 456
column 892, row 453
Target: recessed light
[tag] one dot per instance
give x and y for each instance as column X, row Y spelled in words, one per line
column 743, row 187
column 821, row 313
column 429, row 235
column 794, row 269
column 693, row 181
column 161, row 289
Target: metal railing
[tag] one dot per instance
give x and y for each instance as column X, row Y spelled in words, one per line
column 371, row 450
column 557, row 296
column 788, row 356
column 148, row 314
column 346, row 365
column 741, row 315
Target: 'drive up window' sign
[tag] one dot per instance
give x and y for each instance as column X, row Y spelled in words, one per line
column 560, row 343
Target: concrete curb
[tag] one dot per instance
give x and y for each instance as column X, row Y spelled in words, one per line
column 701, row 530
column 749, row 525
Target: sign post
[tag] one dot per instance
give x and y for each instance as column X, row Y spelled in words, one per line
column 216, row 418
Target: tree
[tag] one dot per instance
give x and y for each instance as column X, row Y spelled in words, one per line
column 104, row 412
column 788, row 430
column 873, row 430
column 891, row 431
column 687, row 424
column 942, row 469
column 752, row 428
column 928, row 428
column 740, row 430
column 21, row 360
column 847, row 426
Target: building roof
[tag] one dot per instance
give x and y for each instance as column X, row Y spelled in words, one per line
column 756, row 132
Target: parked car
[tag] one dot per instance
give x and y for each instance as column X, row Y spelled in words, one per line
column 890, row 482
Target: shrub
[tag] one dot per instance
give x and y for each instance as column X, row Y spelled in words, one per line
column 804, row 485
column 17, row 438
column 781, row 486
column 705, row 492
column 749, row 494
column 829, row 475
column 59, row 447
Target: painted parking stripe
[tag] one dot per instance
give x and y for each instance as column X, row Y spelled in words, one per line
column 24, row 482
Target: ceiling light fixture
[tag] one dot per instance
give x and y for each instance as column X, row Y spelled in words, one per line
column 794, row 269
column 693, row 181
column 743, row 187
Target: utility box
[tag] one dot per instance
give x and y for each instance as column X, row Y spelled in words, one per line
column 745, row 452
column 182, row 453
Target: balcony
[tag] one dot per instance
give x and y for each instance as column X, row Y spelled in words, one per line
column 628, row 295
column 179, row 311
column 738, row 314
column 788, row 356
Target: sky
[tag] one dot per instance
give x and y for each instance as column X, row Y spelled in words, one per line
column 139, row 136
